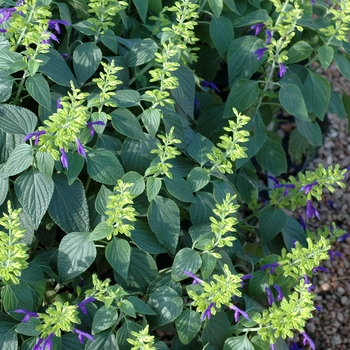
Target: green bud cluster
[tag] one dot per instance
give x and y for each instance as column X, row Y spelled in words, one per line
column 119, row 211
column 219, row 291
column 58, row 317
column 142, row 340
column 13, row 255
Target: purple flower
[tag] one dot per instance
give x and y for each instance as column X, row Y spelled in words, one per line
column 279, row 291
column 270, row 297
column 311, row 211
column 294, row 346
column 6, row 14
column 59, row 105
column 268, row 36
column 54, row 24
column 210, row 85
column 81, row 149
column 312, row 2
column 64, row 159
column 332, row 254
column 278, row 185
column 272, row 347
column 318, row 307
column 282, row 71
column 195, row 278
column 82, row 334
column 260, row 52
column 36, row 134
column 306, row 279
column 308, row 188
column 28, row 314
column 319, row 268
column 90, row 126
column 82, row 304
column 239, row 312
column 47, row 345
column 65, row 56
column 269, row 266
column 245, row 277
column 207, row 312
column 2, row 30
column 37, row 346
column 302, row 222
column 257, row 27
column 307, row 339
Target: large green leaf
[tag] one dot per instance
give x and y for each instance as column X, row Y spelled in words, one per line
column 151, row 120
column 216, row 6
column 17, row 296
column 325, row 54
column 153, row 187
column 6, row 83
column 102, row 200
column 272, row 157
column 101, row 231
column 198, row 178
column 56, row 68
column 127, row 124
column 8, row 335
column 109, row 40
column 199, row 147
column 318, row 94
column 298, row 52
column 188, row 325
column 34, row 192
column 217, row 331
column 167, row 303
column 185, row 259
column 17, row 120
column 118, row 255
column 45, row 163
column 8, row 58
column 104, row 167
column 4, row 187
column 272, row 221
column 311, row 131
column 126, row 98
column 292, row 231
column 104, row 318
column 76, row 163
column 124, row 333
column 68, row 207
column 86, row 59
column 137, row 181
column 20, row 159
column 179, row 188
column 343, row 65
column 104, row 340
column 336, row 105
column 39, row 89
column 140, row 306
column 238, row 343
column 142, row 8
column 142, row 52
column 164, row 219
column 75, row 255
column 292, row 101
column 202, row 209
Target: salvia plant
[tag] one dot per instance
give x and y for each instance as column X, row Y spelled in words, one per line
column 143, row 185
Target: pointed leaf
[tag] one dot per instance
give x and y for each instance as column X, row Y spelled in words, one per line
column 142, row 8
column 272, row 221
column 151, row 120
column 185, row 259
column 311, row 131
column 217, row 331
column 198, row 178
column 118, row 255
column 153, row 187
column 216, row 6
column 39, row 89
column 188, row 325
column 179, row 188
column 104, row 318
column 238, row 343
column 199, row 147
column 20, row 159
column 6, row 83
column 142, row 52
column 325, row 54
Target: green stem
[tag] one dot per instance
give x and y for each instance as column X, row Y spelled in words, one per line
column 141, row 72
column 20, row 87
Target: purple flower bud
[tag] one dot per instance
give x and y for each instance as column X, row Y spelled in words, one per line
column 28, row 314
column 91, row 124
column 64, row 159
column 270, row 297
column 282, row 71
column 307, row 188
column 195, row 278
column 272, row 347
column 82, row 334
column 47, row 343
column 3, row 30
column 239, row 312
column 269, row 266
column 257, row 27
column 59, row 105
column 260, row 52
column 210, row 85
column 318, row 307
column 312, row 2
column 319, row 268
column 307, row 339
column 6, row 13
column 332, row 254
column 36, row 134
column 207, row 312
column 311, row 211
column 279, row 291
column 81, row 149
column 245, row 277
column 54, row 24
column 294, row 346
column 54, row 37
column 82, row 304
column 268, row 36
column 302, row 222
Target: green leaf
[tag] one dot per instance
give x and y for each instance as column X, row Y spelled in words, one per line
column 142, row 8
column 17, row 120
column 104, row 340
column 188, row 324
column 109, row 40
column 34, row 192
column 68, row 207
column 336, row 105
column 104, row 318
column 76, row 163
column 168, row 305
column 153, row 187
column 272, row 157
column 20, row 159
column 318, row 94
column 17, row 296
column 124, row 333
column 126, row 98
column 101, row 231
column 185, row 259
column 243, row 95
column 216, row 331
column 104, row 167
column 242, row 63
column 56, row 68
column 199, row 147
column 184, row 93
column 325, row 54
column 86, row 59
column 140, row 306
column 75, row 255
column 8, row 58
column 311, row 131
column 8, row 336
column 85, row 27
column 208, row 264
column 127, row 124
column 137, row 181
column 238, row 343
column 145, row 239
column 179, row 188
column 343, row 65
column 128, row 308
column 298, row 146
column 118, row 255
column 102, row 200
column 298, row 52
column 198, row 178
column 292, row 231
column 155, row 5
column 252, row 17
column 151, row 120
column 6, row 83
column 39, row 89
column 45, row 163
column 142, row 52
column 28, row 327
column 216, row 6
column 221, row 32
column 272, row 221
column 4, row 187
column 202, row 209
column 164, row 219
column 292, row 101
